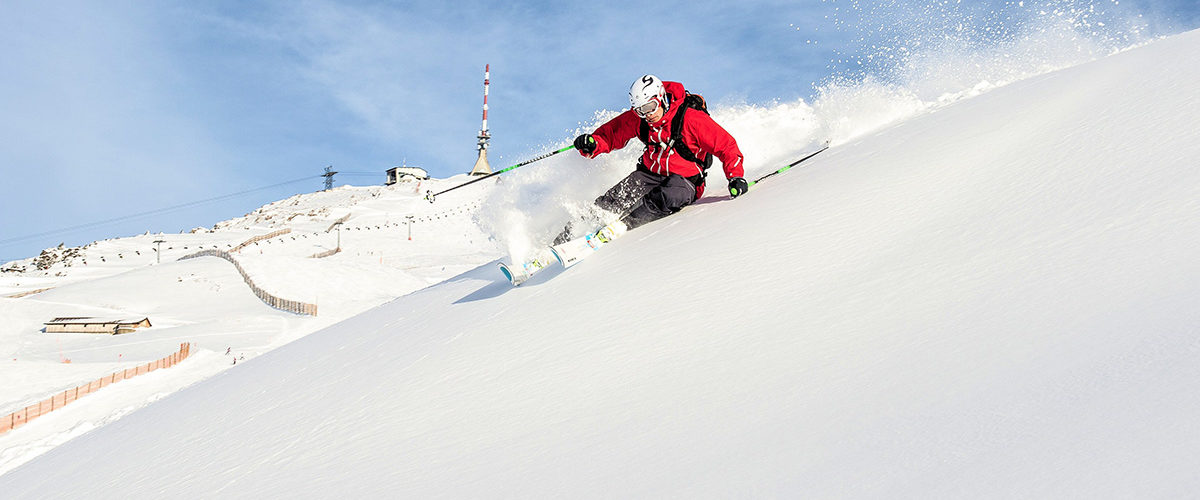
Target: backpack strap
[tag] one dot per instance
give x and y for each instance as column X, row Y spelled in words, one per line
column 676, row 143
column 695, row 102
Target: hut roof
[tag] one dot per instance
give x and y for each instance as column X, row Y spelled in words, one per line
column 88, row 320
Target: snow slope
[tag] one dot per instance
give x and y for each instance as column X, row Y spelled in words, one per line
column 205, row 301
column 994, row 299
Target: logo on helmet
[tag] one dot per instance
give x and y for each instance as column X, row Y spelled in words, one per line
column 646, row 89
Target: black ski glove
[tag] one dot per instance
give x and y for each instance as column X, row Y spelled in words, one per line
column 586, row 144
column 737, row 187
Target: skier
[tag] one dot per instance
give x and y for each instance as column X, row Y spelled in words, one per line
column 671, row 171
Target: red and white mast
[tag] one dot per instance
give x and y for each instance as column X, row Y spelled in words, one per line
column 481, row 164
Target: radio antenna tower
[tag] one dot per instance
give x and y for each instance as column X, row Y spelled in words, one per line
column 481, row 165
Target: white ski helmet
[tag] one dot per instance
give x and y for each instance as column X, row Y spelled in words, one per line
column 646, row 89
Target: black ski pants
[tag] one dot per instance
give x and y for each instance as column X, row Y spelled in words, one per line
column 644, row 196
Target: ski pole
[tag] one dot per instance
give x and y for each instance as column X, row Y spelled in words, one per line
column 792, row 164
column 431, row 195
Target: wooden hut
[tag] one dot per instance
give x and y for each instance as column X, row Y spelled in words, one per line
column 95, row 325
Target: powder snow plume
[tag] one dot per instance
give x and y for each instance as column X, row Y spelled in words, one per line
column 904, row 59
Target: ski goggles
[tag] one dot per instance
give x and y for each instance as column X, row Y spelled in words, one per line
column 647, row 108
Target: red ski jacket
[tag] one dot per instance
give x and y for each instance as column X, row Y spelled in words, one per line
column 700, row 134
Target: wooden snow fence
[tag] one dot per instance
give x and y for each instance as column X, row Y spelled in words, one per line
column 24, row 415
column 292, row 306
column 257, row 239
column 28, row 293
column 340, row 220
column 327, row 253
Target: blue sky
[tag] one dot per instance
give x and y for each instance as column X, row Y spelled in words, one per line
column 111, row 109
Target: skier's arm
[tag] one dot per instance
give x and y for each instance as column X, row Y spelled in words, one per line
column 712, row 138
column 617, row 132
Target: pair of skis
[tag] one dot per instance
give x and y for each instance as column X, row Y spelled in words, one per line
column 565, row 254
column 571, row 252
